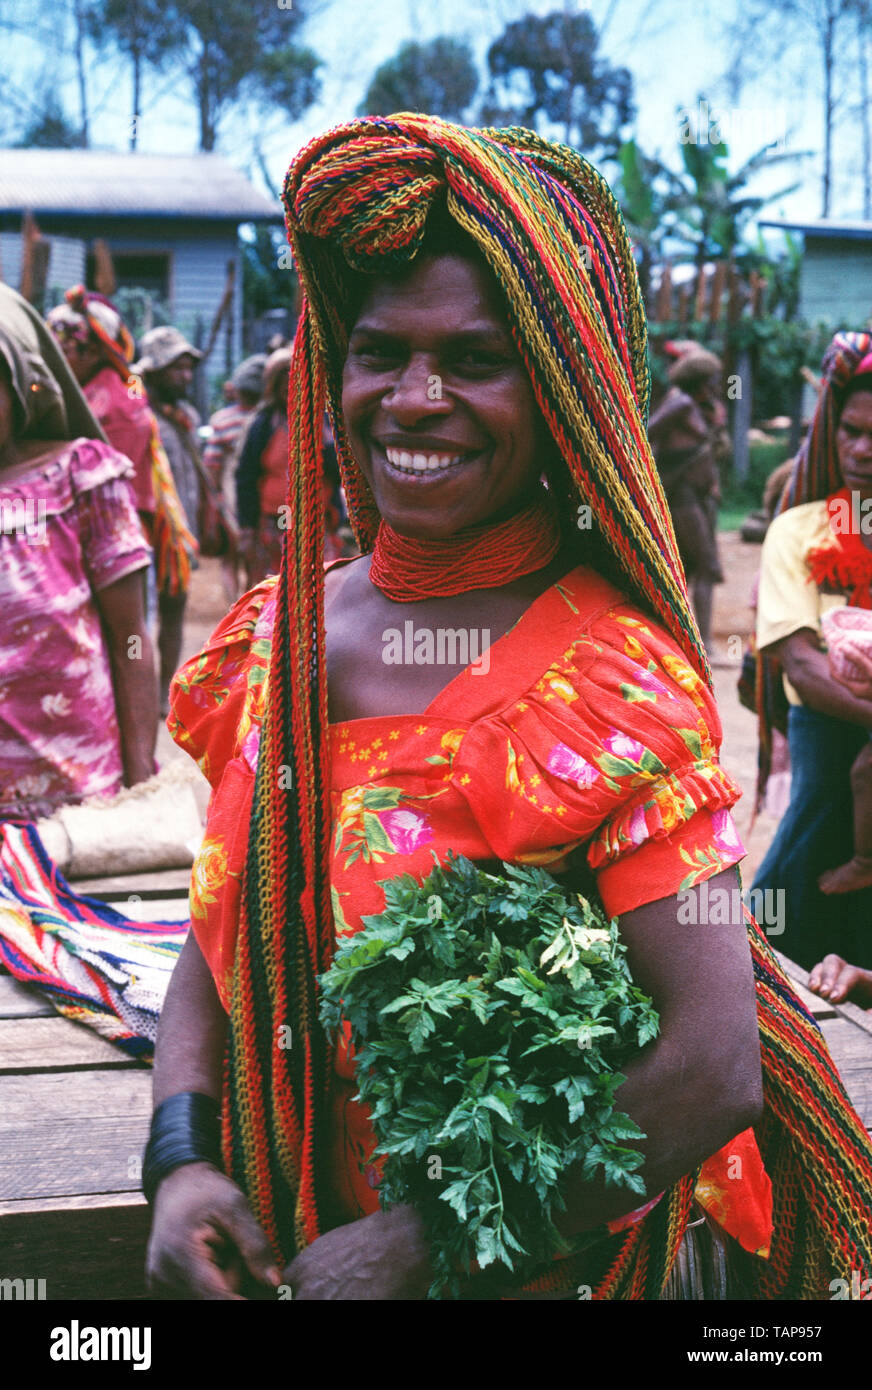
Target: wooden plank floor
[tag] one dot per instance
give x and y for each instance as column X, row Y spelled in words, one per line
column 74, row 1115
column 847, row 1032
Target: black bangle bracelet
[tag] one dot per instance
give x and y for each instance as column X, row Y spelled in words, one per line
column 185, row 1128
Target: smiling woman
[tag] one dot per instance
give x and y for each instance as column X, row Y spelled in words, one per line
column 440, row 463
column 473, row 320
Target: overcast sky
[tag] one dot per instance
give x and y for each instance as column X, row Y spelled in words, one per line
column 676, row 51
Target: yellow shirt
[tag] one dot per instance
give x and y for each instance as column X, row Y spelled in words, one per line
column 789, row 599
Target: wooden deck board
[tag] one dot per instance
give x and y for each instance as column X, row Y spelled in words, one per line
column 82, row 1252
column 22, row 1001
column 37, row 1044
column 75, row 1134
column 851, row 1051
column 824, row 1008
column 163, row 883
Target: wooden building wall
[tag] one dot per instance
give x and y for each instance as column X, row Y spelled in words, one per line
column 66, row 266
column 836, row 281
column 198, row 252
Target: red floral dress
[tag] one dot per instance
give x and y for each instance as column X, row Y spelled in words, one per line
column 589, row 728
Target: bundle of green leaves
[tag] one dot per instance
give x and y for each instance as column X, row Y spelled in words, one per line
column 491, row 1016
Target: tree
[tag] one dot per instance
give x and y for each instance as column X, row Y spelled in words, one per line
column 438, row 77
column 764, row 28
column 862, row 11
column 147, row 32
column 80, row 16
column 50, row 128
column 236, row 49
column 713, row 206
column 548, row 67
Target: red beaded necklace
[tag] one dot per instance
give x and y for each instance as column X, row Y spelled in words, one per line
column 407, row 570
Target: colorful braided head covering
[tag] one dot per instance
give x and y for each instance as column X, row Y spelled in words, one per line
column 357, row 201
column 91, row 313
column 816, row 473
column 85, row 315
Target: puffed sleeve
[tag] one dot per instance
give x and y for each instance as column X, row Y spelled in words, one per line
column 216, row 713
column 112, row 540
column 614, row 748
column 787, row 599
column 216, row 698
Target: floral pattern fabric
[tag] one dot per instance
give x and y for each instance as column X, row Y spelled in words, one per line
column 590, row 731
column 59, row 736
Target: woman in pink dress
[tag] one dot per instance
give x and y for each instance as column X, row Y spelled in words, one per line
column 78, row 712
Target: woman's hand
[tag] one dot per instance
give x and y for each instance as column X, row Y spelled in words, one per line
column 205, row 1242
column 836, row 980
column 384, row 1256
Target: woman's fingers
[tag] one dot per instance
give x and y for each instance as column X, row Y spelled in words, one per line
column 250, row 1240
column 205, row 1241
column 192, row 1271
column 825, row 974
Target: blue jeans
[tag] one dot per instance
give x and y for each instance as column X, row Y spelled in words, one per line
column 817, row 833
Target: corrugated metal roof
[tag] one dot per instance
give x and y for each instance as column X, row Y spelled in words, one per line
column 112, row 184
column 824, row 226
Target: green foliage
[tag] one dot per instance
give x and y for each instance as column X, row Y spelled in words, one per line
column 740, row 498
column 714, row 205
column 555, row 58
column 265, row 283
column 649, row 194
column 288, row 76
column 779, row 351
column 140, row 309
column 438, row 77
column 491, row 1015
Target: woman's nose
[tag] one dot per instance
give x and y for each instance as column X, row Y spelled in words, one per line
column 416, row 392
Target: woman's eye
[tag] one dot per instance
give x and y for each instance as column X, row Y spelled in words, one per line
column 377, row 353
column 480, row 361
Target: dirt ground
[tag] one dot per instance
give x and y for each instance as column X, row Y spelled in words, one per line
column 209, row 602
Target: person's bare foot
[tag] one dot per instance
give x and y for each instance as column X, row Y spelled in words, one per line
column 848, row 878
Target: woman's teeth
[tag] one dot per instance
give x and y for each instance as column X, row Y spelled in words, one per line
column 420, row 463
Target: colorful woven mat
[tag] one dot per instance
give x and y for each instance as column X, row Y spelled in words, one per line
column 94, row 965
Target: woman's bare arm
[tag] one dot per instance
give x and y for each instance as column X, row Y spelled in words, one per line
column 121, row 609
column 699, row 1083
column 192, row 1033
column 808, row 670
column 205, row 1242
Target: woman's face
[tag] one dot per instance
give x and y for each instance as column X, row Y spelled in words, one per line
column 439, row 410
column 854, row 442
column 83, row 359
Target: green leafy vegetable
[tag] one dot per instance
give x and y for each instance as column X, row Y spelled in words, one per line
column 491, row 1016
